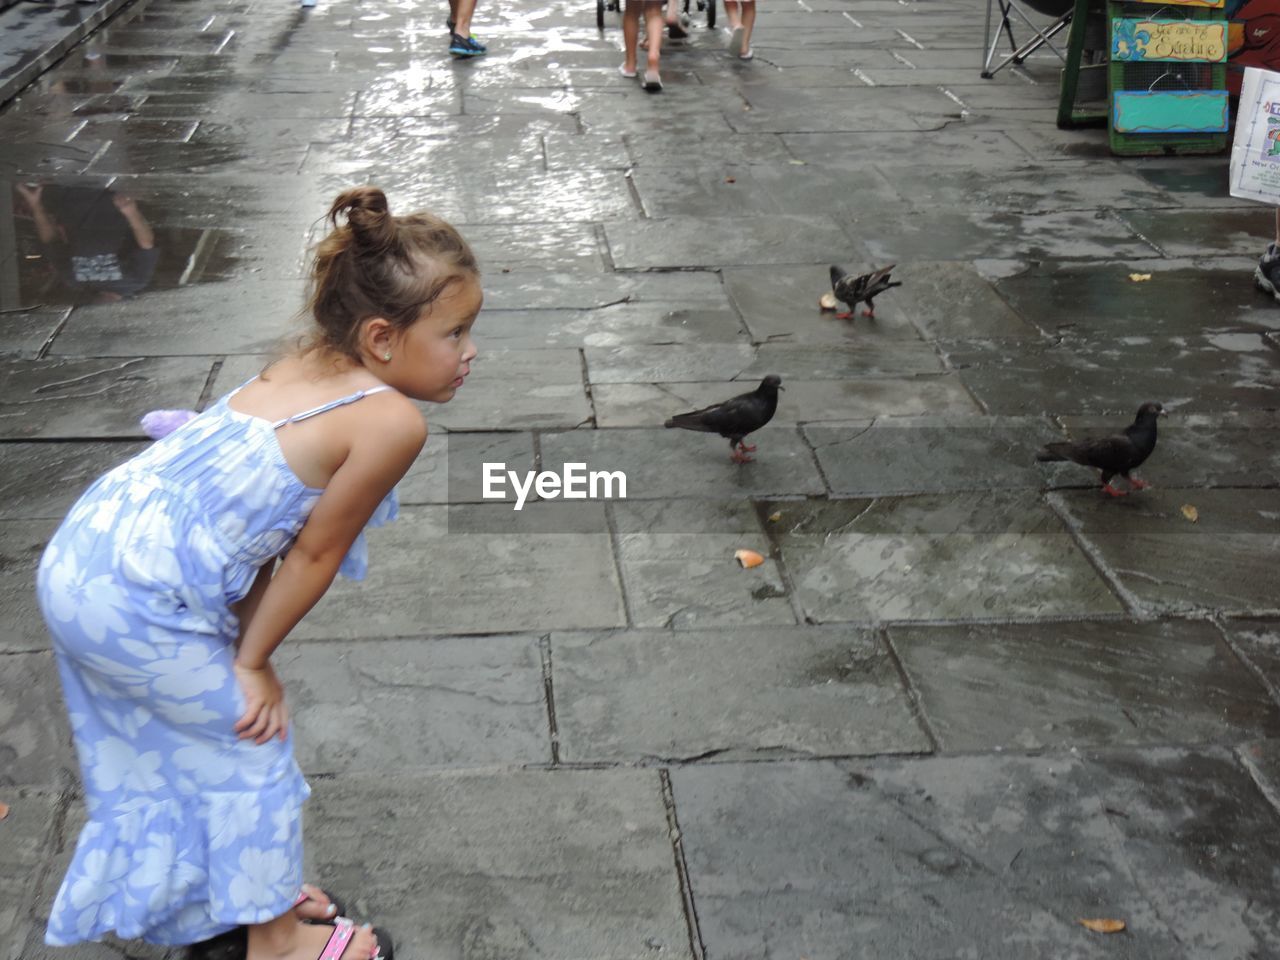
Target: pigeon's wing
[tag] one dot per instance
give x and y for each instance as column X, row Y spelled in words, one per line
column 697, row 419
column 878, row 281
column 736, row 417
column 1105, row 453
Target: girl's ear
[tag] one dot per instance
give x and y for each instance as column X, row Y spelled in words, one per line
column 376, row 335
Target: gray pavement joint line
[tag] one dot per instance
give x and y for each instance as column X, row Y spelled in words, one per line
column 1116, row 215
column 594, row 419
column 214, row 369
column 1246, row 660
column 602, row 247
column 542, row 153
column 696, row 946
column 45, row 347
column 1259, row 778
column 634, row 193
column 1129, row 599
column 813, row 457
column 913, row 695
column 114, row 368
column 548, row 692
column 615, row 551
column 775, row 554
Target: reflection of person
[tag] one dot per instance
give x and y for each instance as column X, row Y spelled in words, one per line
column 162, row 593
column 98, row 241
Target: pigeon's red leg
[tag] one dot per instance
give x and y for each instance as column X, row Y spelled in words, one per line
column 845, row 316
column 1108, row 489
column 747, row 447
column 739, row 457
column 1138, row 484
column 870, row 311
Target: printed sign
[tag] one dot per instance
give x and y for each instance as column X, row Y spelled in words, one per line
column 1140, row 40
column 1255, row 155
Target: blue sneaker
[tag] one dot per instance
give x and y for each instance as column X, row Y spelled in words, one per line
column 466, row 46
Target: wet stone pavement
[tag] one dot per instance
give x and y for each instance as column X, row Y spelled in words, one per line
column 964, row 702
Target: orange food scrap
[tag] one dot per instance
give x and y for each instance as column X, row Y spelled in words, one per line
column 1190, row 512
column 4, row 810
column 827, row 301
column 1103, row 926
column 775, row 517
column 748, row 558
column 1139, row 277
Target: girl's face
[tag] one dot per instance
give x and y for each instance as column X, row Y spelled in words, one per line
column 430, row 360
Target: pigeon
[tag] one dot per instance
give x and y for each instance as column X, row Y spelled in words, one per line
column 735, row 418
column 852, row 291
column 1113, row 455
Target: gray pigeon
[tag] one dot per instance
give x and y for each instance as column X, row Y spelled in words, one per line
column 736, row 417
column 1113, row 455
column 852, row 291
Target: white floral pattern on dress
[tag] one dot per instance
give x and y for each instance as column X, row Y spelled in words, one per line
column 191, row 830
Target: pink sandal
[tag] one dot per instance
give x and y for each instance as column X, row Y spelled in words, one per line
column 343, row 931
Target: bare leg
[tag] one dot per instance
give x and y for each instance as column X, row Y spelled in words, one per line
column 462, row 12
column 748, row 22
column 733, row 13
column 653, row 24
column 630, row 34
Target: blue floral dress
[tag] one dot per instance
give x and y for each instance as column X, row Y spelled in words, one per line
column 191, row 831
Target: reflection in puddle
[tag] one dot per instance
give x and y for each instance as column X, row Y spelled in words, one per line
column 80, row 243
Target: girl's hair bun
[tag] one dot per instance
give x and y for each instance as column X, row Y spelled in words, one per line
column 368, row 217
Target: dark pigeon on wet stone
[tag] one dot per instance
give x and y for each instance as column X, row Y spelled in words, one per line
column 852, row 291
column 1113, row 455
column 736, row 417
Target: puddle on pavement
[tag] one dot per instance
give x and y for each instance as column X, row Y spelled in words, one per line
column 78, row 242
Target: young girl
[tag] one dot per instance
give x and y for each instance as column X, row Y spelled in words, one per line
column 165, row 601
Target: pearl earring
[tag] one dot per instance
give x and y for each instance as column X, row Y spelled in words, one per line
column 386, row 357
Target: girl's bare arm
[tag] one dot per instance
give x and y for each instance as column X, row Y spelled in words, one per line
column 376, row 462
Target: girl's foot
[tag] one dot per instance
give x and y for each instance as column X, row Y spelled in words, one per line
column 746, row 54
column 652, row 82
column 629, row 74
column 317, row 906
column 307, row 941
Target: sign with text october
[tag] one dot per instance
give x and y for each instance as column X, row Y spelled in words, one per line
column 1202, row 41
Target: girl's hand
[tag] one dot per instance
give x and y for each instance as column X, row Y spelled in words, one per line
column 265, row 714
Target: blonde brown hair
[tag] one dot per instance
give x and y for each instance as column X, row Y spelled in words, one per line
column 375, row 264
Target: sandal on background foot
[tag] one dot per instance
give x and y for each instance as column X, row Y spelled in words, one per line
column 652, row 82
column 234, row 944
column 747, row 54
column 736, row 36
column 629, row 74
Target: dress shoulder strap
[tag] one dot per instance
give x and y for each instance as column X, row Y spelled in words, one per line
column 331, row 405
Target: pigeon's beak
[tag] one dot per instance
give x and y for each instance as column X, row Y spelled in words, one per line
column 781, row 387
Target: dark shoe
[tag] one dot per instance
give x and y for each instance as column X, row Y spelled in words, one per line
column 652, row 82
column 466, row 46
column 1266, row 275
